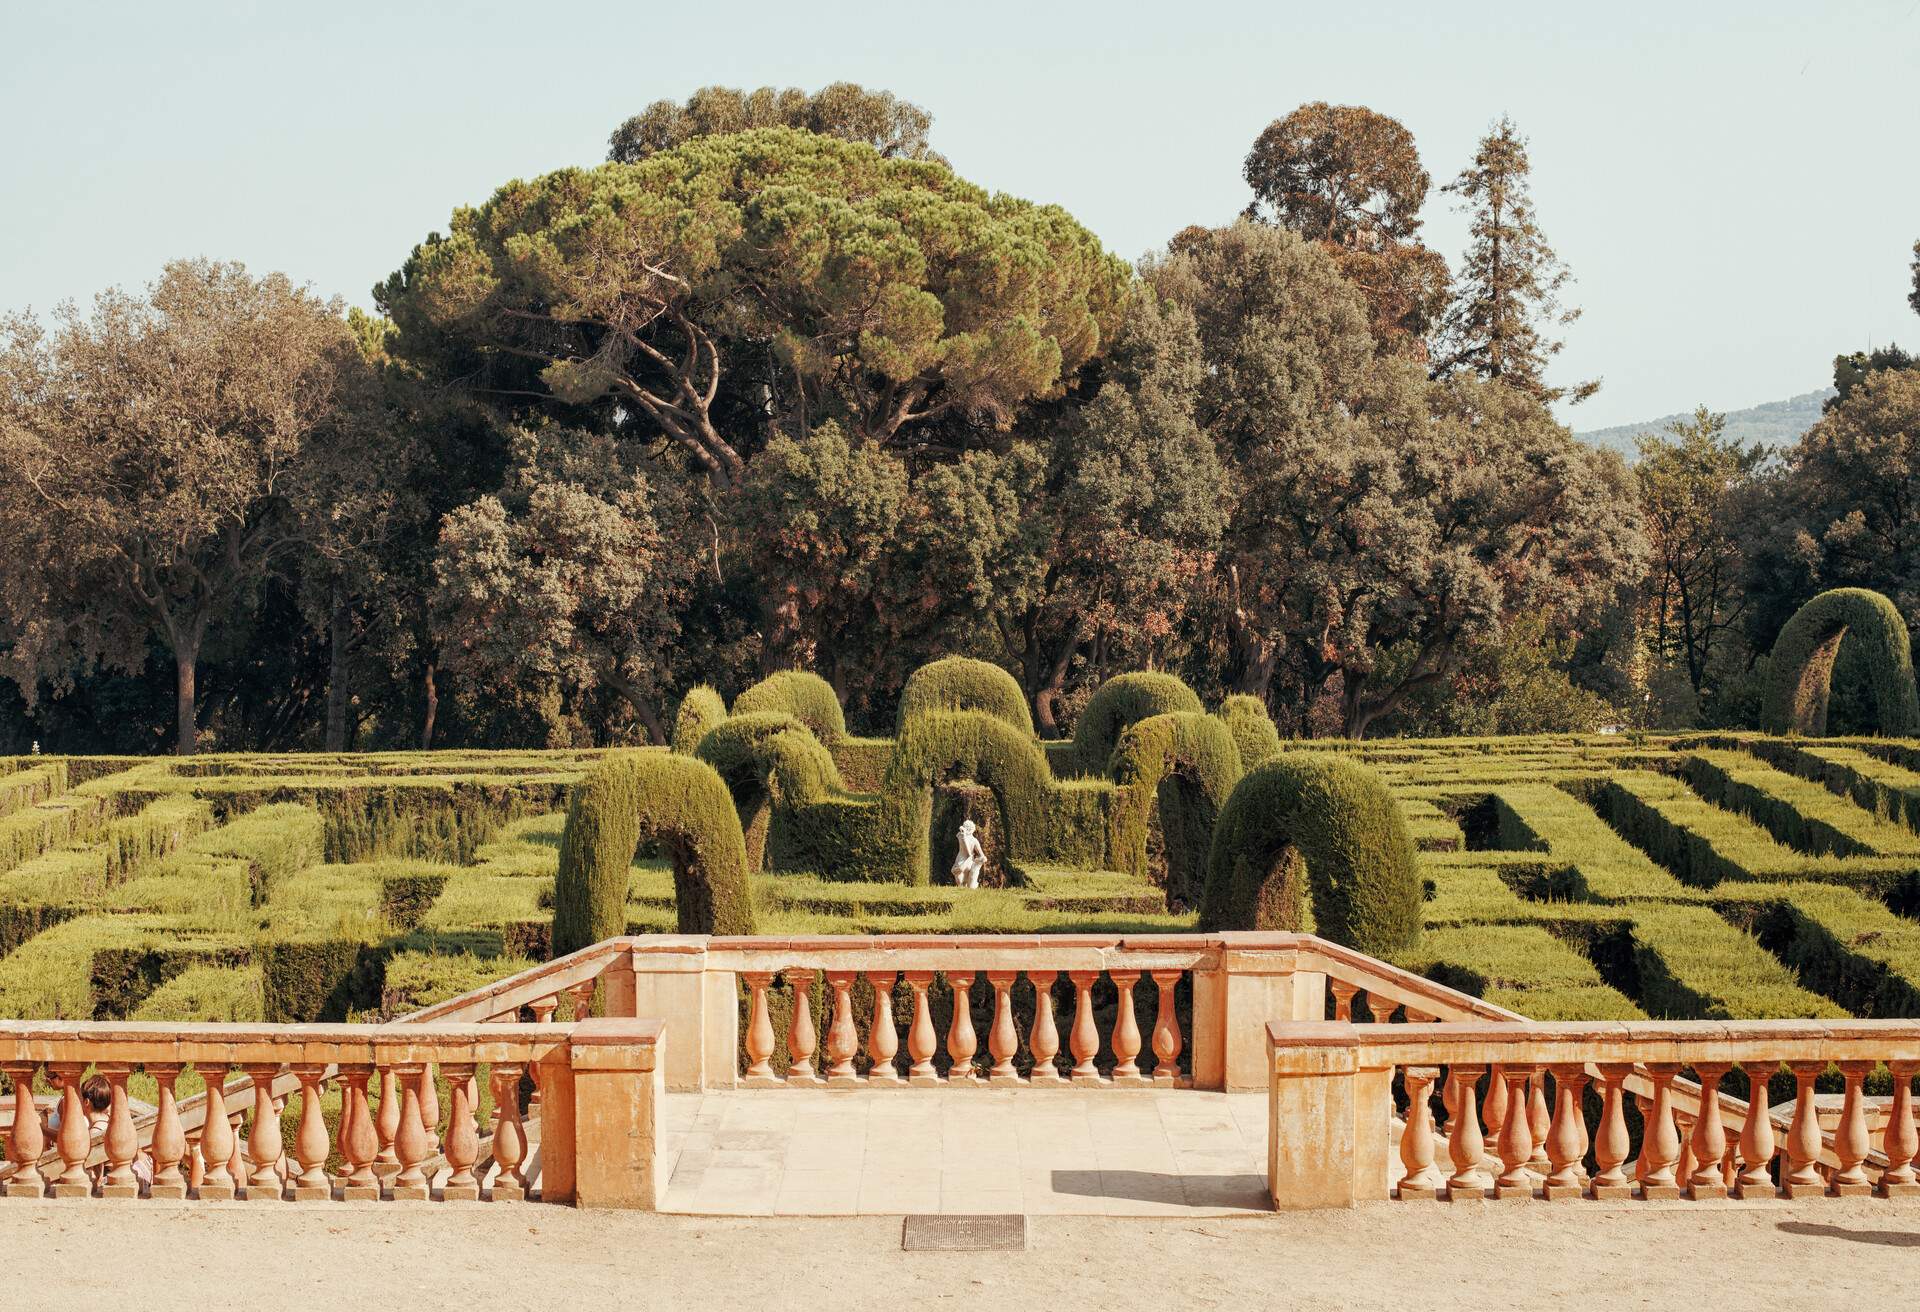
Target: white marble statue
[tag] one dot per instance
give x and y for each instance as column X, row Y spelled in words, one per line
column 968, row 861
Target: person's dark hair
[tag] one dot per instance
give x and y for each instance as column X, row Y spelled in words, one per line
column 97, row 1093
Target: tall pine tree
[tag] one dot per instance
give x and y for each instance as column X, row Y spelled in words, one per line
column 1507, row 296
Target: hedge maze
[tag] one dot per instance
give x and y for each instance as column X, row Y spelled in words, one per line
column 1568, row 878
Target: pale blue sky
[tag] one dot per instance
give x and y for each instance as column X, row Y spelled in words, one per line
column 1734, row 185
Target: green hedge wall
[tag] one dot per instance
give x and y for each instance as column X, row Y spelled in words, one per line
column 1800, row 682
column 680, row 804
column 1314, row 842
column 1119, row 702
column 1184, row 766
column 802, row 694
column 700, row 710
column 958, row 683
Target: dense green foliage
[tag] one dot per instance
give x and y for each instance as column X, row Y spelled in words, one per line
column 1254, row 733
column 973, row 745
column 1121, row 701
column 700, row 710
column 1177, row 769
column 957, row 683
column 1314, row 842
column 678, row 804
column 1804, row 654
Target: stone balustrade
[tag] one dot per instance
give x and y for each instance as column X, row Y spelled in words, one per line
column 600, row 1083
column 1501, row 1111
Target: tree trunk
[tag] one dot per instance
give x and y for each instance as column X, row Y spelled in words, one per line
column 186, row 656
column 339, row 694
column 433, row 707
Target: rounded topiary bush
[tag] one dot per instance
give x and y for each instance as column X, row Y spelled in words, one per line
column 683, row 807
column 1800, row 681
column 942, row 746
column 700, row 710
column 1186, row 765
column 1253, row 729
column 1121, row 701
column 802, row 694
column 959, row 683
column 1314, row 842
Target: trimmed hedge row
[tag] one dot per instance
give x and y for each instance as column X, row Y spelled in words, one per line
column 1799, row 812
column 1119, row 702
column 1800, row 678
column 1253, row 730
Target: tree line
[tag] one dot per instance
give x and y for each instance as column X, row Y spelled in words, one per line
column 774, row 387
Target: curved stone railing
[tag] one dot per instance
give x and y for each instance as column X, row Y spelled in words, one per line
column 1332, row 1106
column 599, row 1081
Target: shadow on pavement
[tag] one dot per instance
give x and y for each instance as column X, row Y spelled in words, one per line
column 1889, row 1238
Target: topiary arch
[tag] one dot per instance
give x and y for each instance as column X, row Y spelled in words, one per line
column 1186, row 765
column 1314, row 842
column 700, row 710
column 802, row 694
column 959, row 683
column 771, row 763
column 1253, row 729
column 1119, row 702
column 1800, row 681
column 677, row 802
column 942, row 745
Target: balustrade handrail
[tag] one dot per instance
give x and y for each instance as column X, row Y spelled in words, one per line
column 1684, row 1043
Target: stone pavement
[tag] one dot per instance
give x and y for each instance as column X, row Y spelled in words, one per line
column 1041, row 1152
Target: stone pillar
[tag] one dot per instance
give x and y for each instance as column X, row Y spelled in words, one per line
column 618, row 1084
column 1327, row 1126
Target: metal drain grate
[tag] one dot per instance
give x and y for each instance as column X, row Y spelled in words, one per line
column 960, row 1234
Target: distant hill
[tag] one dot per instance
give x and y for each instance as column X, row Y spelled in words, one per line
column 1775, row 424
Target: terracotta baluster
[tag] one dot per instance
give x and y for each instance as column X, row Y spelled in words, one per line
column 1756, row 1138
column 542, row 1015
column 883, row 1039
column 1850, row 1140
column 1423, row 1178
column 1084, row 1040
column 1539, row 1123
column 509, row 1139
column 1465, row 1146
column 237, row 1158
column 217, row 1182
column 1612, row 1143
column 1343, row 994
column 463, row 1137
column 1126, row 1030
column 410, row 1143
column 75, row 1138
column 1709, row 1135
column 169, row 1144
column 1044, row 1041
column 26, row 1141
column 1516, row 1137
column 759, row 1030
column 387, row 1124
column 195, row 1165
column 1493, row 1111
column 542, row 1010
column 1803, row 1136
column 311, row 1183
column 1683, row 1170
column 801, row 1040
column 122, row 1143
column 843, row 1037
column 1660, row 1142
column 920, row 1037
column 265, row 1144
column 962, row 1043
column 359, row 1141
column 1382, row 1007
column 1167, row 1039
column 1902, row 1143
column 1566, row 1137
column 1003, row 1041
column 581, row 995
column 430, row 1108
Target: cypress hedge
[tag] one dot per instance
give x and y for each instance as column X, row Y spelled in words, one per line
column 773, row 767
column 1800, row 682
column 1253, row 729
column 1119, row 702
column 1314, row 842
column 1185, row 765
column 958, row 683
column 700, row 710
column 940, row 746
column 680, row 804
column 802, row 694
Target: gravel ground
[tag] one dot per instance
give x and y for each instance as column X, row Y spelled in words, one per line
column 95, row 1254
